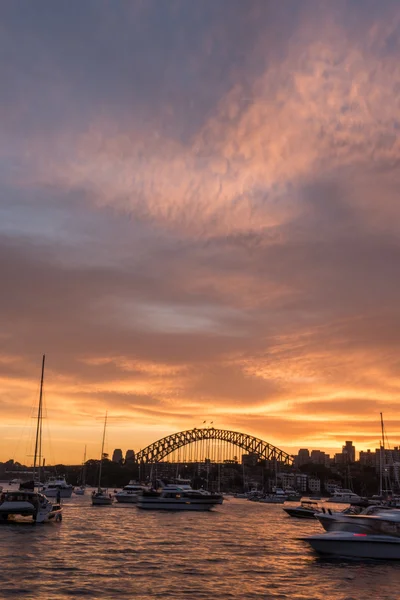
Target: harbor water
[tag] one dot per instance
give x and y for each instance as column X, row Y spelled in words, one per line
column 240, row 550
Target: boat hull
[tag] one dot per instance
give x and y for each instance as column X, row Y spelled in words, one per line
column 127, row 498
column 356, row 546
column 300, row 513
column 102, row 500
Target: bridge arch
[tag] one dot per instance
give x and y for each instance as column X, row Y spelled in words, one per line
column 161, row 448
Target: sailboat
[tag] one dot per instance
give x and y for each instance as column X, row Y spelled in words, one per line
column 26, row 502
column 80, row 491
column 102, row 497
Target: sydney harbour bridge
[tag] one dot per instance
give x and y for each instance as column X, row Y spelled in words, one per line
column 209, row 444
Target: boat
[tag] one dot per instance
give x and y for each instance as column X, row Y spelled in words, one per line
column 328, row 518
column 174, row 497
column 130, row 493
column 273, row 499
column 306, row 510
column 101, row 497
column 361, row 536
column 80, row 491
column 57, row 487
column 344, row 496
column 345, row 544
column 26, row 503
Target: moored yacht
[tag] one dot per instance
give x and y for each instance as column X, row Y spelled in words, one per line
column 101, row 497
column 57, row 487
column 28, row 504
column 130, row 493
column 329, row 518
column 344, row 496
column 361, row 536
column 174, row 497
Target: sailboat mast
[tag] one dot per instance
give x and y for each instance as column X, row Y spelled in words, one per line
column 102, row 450
column 38, row 441
column 382, row 457
column 84, row 468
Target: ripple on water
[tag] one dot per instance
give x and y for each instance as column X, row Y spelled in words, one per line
column 241, row 550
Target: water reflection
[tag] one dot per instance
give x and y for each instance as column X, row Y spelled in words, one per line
column 240, row 550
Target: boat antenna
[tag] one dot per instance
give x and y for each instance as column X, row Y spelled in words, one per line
column 38, row 441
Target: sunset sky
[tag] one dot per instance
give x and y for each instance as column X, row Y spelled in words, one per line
column 199, row 220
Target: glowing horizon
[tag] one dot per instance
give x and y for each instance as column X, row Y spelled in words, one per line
column 199, row 221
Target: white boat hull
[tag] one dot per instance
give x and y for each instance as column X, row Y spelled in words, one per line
column 13, row 511
column 356, row 546
column 102, row 501
column 127, row 498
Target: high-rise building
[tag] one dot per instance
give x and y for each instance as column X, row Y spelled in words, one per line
column 367, row 458
column 303, row 457
column 349, row 452
column 117, row 455
column 129, row 456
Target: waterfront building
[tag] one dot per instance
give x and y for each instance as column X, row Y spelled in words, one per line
column 314, row 485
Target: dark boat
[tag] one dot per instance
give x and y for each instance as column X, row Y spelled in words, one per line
column 306, row 510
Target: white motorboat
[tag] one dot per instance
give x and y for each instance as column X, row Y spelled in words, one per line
column 80, row 491
column 361, row 536
column 306, row 510
column 345, row 544
column 329, row 518
column 174, row 497
column 28, row 504
column 102, row 497
column 15, row 482
column 130, row 493
column 344, row 496
column 273, row 499
column 57, row 487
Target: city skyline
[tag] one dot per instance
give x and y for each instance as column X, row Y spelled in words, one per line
column 199, row 222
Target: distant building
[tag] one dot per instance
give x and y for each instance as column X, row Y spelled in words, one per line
column 129, row 456
column 367, row 459
column 303, row 457
column 117, row 455
column 349, row 452
column 314, row 484
column 331, row 485
column 250, row 460
column 320, row 458
column 339, row 458
column 301, row 482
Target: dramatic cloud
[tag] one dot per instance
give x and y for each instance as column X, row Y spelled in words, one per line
column 199, row 219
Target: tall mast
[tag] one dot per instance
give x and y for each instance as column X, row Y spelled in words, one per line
column 382, row 458
column 38, row 441
column 84, row 468
column 102, row 450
